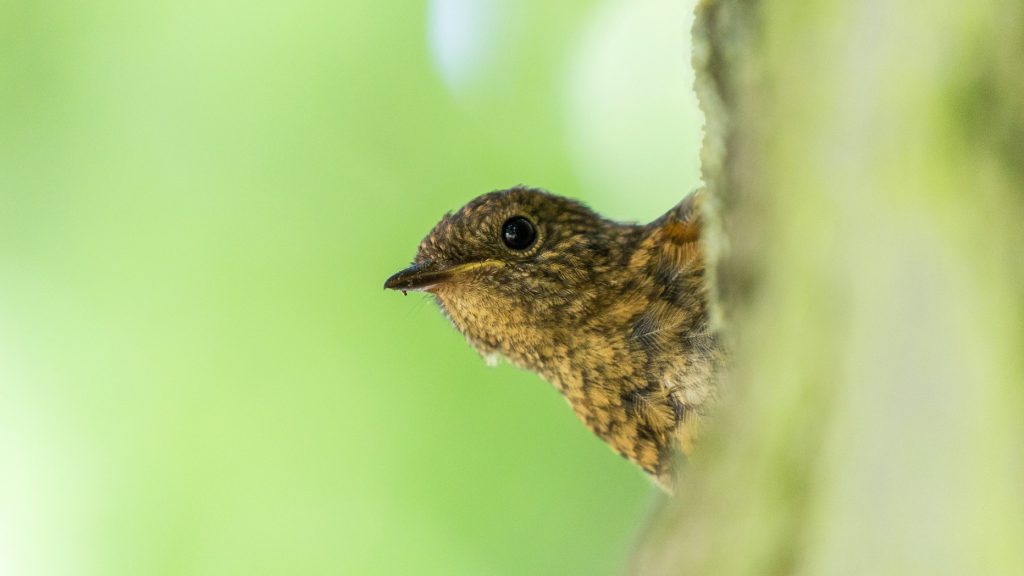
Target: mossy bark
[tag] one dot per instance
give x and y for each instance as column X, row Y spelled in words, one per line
column 866, row 166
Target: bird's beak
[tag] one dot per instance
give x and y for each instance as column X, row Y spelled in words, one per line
column 421, row 276
column 424, row 276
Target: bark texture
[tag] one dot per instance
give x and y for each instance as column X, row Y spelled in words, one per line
column 866, row 165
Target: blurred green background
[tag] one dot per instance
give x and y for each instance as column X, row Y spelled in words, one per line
column 199, row 203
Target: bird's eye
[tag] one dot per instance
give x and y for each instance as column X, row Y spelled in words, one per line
column 518, row 233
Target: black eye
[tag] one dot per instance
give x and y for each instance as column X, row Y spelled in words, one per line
column 518, row 233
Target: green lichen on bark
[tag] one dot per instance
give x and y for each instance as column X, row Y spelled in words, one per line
column 866, row 166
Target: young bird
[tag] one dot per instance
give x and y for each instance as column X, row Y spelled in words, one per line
column 613, row 315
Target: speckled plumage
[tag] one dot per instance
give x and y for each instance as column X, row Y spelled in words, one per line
column 613, row 315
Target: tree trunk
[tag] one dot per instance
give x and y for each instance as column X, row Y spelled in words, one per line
column 866, row 167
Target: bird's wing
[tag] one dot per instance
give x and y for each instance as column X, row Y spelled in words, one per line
column 677, row 255
column 676, row 235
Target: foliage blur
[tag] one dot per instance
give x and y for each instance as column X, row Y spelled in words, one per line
column 199, row 202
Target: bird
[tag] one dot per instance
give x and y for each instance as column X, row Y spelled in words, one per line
column 614, row 315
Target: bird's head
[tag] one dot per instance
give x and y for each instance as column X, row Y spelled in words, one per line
column 513, row 264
